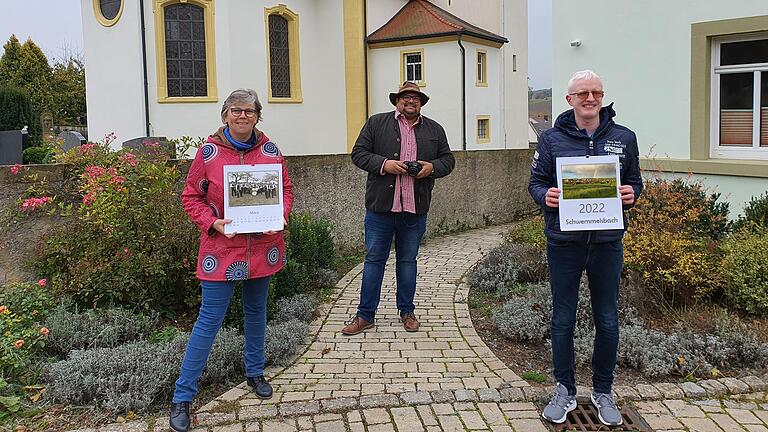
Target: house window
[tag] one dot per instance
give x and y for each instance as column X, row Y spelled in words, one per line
column 482, row 68
column 108, row 11
column 483, row 129
column 412, row 66
column 185, row 50
column 186, row 58
column 283, row 70
column 740, row 97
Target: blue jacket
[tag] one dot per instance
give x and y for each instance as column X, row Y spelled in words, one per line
column 566, row 139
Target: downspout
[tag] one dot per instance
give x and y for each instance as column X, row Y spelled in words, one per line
column 463, row 95
column 144, row 66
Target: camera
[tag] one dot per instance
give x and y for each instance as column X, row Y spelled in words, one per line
column 413, row 167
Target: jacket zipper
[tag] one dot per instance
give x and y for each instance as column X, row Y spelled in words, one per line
column 248, row 235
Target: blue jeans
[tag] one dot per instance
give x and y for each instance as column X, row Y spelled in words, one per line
column 216, row 297
column 603, row 263
column 407, row 229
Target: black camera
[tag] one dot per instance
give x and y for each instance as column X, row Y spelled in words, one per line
column 413, row 167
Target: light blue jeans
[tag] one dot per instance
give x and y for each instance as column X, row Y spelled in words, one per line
column 216, row 298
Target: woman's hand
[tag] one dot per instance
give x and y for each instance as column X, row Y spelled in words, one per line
column 273, row 232
column 218, row 225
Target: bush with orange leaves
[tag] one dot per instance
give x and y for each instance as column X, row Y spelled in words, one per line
column 673, row 241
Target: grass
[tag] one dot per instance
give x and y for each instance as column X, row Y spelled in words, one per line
column 533, row 376
column 482, row 302
column 601, row 189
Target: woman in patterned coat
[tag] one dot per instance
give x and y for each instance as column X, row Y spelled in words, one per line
column 225, row 259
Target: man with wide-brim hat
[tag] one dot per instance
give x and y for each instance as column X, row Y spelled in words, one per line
column 403, row 152
column 410, row 87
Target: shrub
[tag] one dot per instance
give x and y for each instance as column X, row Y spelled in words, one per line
column 130, row 242
column 755, row 211
column 15, row 109
column 673, row 238
column 23, row 307
column 40, row 154
column 745, row 267
column 138, row 376
column 300, row 307
column 507, row 265
column 529, row 231
column 96, row 328
column 284, row 340
column 526, row 318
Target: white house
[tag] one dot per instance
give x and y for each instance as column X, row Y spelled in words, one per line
column 164, row 67
column 690, row 77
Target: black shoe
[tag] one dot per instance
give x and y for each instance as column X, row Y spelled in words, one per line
column 260, row 386
column 179, row 416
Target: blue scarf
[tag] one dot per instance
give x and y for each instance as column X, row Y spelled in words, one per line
column 240, row 145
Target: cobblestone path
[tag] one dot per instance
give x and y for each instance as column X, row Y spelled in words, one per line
column 441, row 378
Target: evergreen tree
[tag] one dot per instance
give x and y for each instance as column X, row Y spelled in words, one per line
column 9, row 62
column 69, row 91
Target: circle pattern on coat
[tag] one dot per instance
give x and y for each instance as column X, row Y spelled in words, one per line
column 270, row 149
column 209, row 264
column 209, row 152
column 238, row 270
column 214, row 209
column 273, row 256
column 203, row 185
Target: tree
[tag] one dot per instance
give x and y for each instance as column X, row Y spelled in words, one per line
column 9, row 62
column 68, row 86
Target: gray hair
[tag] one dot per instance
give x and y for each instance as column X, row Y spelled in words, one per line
column 241, row 96
column 582, row 76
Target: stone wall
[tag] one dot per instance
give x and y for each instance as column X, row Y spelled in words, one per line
column 486, row 188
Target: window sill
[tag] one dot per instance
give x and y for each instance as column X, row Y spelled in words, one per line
column 728, row 167
column 196, row 99
column 483, row 141
column 285, row 100
column 481, row 84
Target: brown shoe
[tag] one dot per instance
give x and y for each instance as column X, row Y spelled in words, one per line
column 410, row 323
column 355, row 326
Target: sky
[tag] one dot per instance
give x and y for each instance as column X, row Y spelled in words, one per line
column 56, row 26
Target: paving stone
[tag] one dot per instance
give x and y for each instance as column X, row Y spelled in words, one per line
column 648, row 391
column 135, row 426
column 443, row 396
column 299, row 408
column 406, row 419
column 735, row 385
column 535, row 394
column 702, row 425
column 680, row 408
column 450, row 423
column 472, row 420
column 511, row 394
column 743, row 416
column 416, row 398
column 725, row 422
column 376, row 416
column 693, row 390
column 332, row 426
column 670, row 391
column 382, row 400
column 661, row 421
column 339, row 404
column 237, row 427
column 528, row 425
column 756, row 428
column 734, row 404
column 626, row 393
column 387, row 427
column 755, row 383
column 256, row 412
column 466, row 395
column 489, row 395
column 713, row 387
column 213, row 419
column 279, row 426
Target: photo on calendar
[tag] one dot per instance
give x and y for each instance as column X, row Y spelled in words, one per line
column 253, row 188
column 594, row 180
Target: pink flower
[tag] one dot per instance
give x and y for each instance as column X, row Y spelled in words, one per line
column 15, row 169
column 31, row 204
column 89, row 198
column 116, row 179
column 4, row 310
column 129, row 159
column 108, row 138
column 125, row 250
column 44, row 331
column 18, row 344
column 42, row 282
column 93, row 171
column 85, row 148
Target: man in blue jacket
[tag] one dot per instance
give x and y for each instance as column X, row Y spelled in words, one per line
column 586, row 130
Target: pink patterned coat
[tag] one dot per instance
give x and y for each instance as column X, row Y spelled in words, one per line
column 245, row 256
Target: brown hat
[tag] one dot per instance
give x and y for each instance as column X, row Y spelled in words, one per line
column 408, row 86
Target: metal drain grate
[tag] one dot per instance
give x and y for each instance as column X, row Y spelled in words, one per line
column 584, row 419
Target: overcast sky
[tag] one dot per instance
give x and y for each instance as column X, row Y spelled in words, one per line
column 55, row 25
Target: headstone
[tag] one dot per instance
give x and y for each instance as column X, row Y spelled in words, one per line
column 143, row 144
column 46, row 122
column 72, row 139
column 11, row 144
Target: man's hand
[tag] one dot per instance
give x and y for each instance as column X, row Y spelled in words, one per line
column 552, row 198
column 426, row 169
column 627, row 193
column 394, row 167
column 218, row 225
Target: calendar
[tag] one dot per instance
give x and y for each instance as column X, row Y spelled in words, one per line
column 253, row 198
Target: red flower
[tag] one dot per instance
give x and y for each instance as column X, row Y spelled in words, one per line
column 4, row 309
column 44, row 331
column 31, row 204
column 15, row 169
column 42, row 282
column 18, row 344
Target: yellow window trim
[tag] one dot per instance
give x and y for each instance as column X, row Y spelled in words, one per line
column 423, row 82
column 102, row 19
column 293, row 54
column 701, row 83
column 158, row 8
column 482, row 81
column 487, row 138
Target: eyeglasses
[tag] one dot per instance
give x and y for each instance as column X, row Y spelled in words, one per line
column 597, row 94
column 238, row 111
column 410, row 98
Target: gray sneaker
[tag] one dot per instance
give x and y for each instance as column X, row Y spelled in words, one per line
column 607, row 411
column 561, row 404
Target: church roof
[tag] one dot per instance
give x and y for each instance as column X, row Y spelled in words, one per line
column 420, row 19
